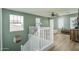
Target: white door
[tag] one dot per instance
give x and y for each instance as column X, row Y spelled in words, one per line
column 52, row 29
column 52, row 24
column 38, row 26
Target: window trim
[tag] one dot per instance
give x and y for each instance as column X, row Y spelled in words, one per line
column 20, row 25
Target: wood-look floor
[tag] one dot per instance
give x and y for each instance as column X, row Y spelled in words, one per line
column 62, row 42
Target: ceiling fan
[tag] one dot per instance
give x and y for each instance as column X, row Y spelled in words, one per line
column 54, row 14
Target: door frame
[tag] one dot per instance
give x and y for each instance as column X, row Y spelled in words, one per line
column 52, row 29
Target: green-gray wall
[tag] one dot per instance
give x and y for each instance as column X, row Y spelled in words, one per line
column 66, row 21
column 8, row 36
column 0, row 29
column 45, row 22
column 55, row 23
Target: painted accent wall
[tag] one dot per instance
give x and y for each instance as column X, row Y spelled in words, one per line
column 29, row 20
column 0, row 29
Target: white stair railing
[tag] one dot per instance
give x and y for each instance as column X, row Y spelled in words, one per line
column 37, row 41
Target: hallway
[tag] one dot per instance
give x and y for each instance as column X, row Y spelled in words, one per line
column 63, row 43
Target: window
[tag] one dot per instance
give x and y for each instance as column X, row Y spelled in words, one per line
column 16, row 23
column 60, row 22
column 73, row 21
column 38, row 23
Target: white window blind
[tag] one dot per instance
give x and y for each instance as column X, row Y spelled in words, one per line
column 16, row 23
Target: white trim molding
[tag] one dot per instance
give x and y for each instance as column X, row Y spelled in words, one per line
column 1, row 29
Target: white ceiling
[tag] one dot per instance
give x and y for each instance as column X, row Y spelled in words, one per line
column 46, row 11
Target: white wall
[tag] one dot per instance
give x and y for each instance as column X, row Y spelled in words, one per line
column 0, row 29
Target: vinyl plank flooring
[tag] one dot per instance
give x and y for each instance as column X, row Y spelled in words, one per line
column 62, row 42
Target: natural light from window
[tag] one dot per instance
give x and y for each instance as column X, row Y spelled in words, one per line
column 16, row 23
column 73, row 21
column 60, row 22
